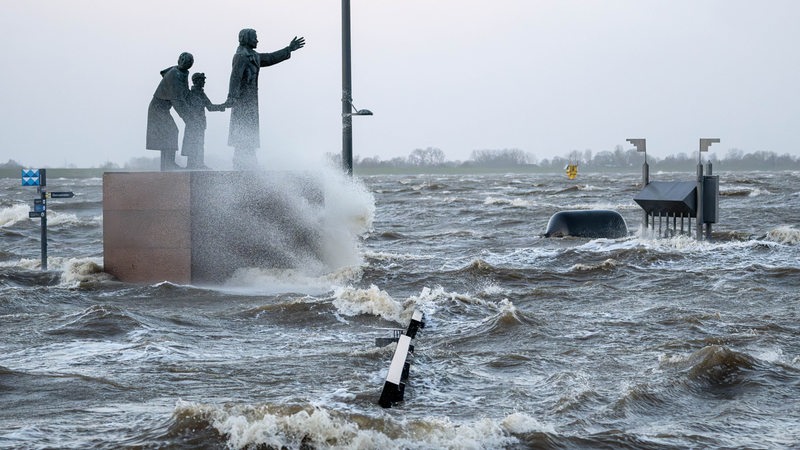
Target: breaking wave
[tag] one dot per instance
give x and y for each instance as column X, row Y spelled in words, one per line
column 316, row 427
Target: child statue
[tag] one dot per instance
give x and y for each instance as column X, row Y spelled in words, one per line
column 194, row 133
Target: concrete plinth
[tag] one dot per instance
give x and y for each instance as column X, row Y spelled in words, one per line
column 200, row 227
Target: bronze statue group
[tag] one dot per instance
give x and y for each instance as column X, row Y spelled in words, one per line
column 173, row 92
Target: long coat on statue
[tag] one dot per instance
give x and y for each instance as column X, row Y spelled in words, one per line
column 172, row 92
column 244, row 132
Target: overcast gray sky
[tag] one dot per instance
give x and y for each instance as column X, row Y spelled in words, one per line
column 546, row 77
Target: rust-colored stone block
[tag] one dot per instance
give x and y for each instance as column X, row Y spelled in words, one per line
column 201, row 226
column 148, row 265
column 147, row 231
column 146, row 191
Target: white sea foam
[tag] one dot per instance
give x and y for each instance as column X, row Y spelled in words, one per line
column 605, row 265
column 759, row 192
column 24, row 263
column 519, row 423
column 743, row 191
column 352, row 302
column 253, row 280
column 451, row 199
column 506, row 306
column 338, row 223
column 13, row 214
column 493, row 289
column 385, row 256
column 605, row 205
column 348, row 214
column 80, row 272
column 770, row 354
column 515, row 202
column 19, row 212
column 75, row 272
column 319, row 427
column 68, row 356
column 675, row 243
column 520, row 203
column 429, row 300
column 55, row 218
column 784, row 235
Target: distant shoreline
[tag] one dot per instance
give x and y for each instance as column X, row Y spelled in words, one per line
column 64, row 172
column 368, row 171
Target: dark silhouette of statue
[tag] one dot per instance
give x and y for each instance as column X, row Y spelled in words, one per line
column 194, row 134
column 172, row 92
column 243, row 95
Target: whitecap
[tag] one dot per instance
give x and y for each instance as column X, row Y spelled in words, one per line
column 319, row 427
column 80, row 272
column 254, row 280
column 784, row 235
column 352, row 301
column 519, row 423
column 13, row 214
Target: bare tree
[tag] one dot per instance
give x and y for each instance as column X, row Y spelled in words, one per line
column 428, row 157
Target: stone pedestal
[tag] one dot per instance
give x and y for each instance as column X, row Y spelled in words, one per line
column 147, row 226
column 200, row 227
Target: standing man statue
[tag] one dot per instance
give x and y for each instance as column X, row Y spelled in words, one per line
column 172, row 92
column 243, row 95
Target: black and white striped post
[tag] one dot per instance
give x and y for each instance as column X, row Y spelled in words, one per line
column 394, row 387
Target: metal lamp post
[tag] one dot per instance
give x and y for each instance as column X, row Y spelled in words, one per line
column 348, row 110
column 704, row 144
column 641, row 146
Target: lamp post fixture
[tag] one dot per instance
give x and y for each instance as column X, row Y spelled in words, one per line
column 641, row 146
column 348, row 110
column 704, row 144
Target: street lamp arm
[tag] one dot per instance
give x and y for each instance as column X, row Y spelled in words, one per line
column 357, row 112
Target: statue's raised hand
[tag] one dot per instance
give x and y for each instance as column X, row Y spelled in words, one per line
column 297, row 43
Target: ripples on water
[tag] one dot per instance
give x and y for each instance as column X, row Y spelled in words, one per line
column 530, row 342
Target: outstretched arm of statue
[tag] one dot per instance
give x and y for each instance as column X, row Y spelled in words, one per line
column 297, row 43
column 220, row 107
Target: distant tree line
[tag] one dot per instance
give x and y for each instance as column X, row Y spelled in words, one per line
column 618, row 159
column 142, row 163
column 516, row 159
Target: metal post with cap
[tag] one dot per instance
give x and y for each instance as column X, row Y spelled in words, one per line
column 641, row 146
column 348, row 109
column 704, row 144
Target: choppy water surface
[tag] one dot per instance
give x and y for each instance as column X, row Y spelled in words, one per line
column 530, row 342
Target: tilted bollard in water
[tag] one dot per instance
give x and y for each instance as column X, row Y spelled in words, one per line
column 394, row 386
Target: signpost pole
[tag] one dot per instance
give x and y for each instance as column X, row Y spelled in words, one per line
column 41, row 189
column 44, row 232
column 38, row 178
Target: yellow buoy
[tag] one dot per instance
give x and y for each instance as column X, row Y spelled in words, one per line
column 572, row 171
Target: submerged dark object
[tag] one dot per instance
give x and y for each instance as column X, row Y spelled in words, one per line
column 599, row 223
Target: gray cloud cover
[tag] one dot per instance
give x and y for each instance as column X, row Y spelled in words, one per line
column 546, row 77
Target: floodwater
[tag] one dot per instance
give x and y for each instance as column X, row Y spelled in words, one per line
column 637, row 342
